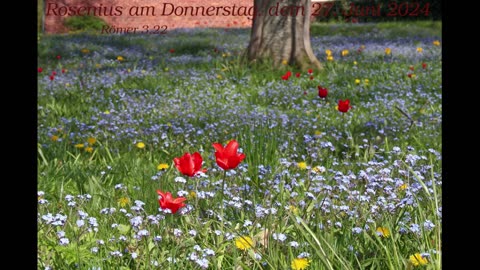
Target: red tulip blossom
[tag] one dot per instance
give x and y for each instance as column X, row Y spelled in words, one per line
column 54, row 73
column 311, row 77
column 344, row 105
column 310, row 71
column 287, row 75
column 322, row 92
column 52, row 77
column 297, row 74
column 58, row 57
column 228, row 157
column 168, row 202
column 64, row 70
column 172, row 50
column 39, row 70
column 412, row 68
column 424, row 65
column 189, row 165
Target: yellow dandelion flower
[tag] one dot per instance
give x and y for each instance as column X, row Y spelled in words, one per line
column 388, row 51
column 417, row 259
column 293, row 209
column 300, row 263
column 106, row 112
column 345, row 52
column 284, row 62
column 318, row 133
column 366, row 82
column 404, row 186
column 419, row 49
column 244, row 242
column 120, row 58
column 169, row 124
column 162, row 166
column 357, row 81
column 302, row 165
column 89, row 149
column 328, row 52
column 129, row 70
column 329, row 58
column 91, row 141
column 192, row 195
column 355, row 63
column 140, row 145
column 85, row 50
column 224, row 55
column 54, row 138
column 166, row 69
column 123, row 201
column 79, row 145
column 436, row 43
column 383, row 232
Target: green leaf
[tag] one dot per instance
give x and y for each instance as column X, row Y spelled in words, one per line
column 123, row 229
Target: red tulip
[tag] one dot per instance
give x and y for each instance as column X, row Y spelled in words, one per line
column 311, row 77
column 322, row 92
column 310, row 71
column 63, row 70
column 297, row 74
column 412, row 68
column 287, row 75
column 168, row 202
column 39, row 70
column 424, row 65
column 344, row 105
column 58, row 57
column 228, row 157
column 52, row 77
column 172, row 50
column 54, row 73
column 188, row 164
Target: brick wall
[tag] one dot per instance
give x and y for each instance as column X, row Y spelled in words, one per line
column 55, row 13
column 163, row 13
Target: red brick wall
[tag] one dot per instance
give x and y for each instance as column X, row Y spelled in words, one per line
column 54, row 23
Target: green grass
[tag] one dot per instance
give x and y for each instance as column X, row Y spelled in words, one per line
column 185, row 101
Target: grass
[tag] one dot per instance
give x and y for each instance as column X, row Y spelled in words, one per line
column 374, row 168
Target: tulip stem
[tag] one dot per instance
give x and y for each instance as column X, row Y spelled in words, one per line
column 223, row 185
column 223, row 190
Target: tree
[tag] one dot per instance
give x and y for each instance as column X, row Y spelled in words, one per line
column 281, row 32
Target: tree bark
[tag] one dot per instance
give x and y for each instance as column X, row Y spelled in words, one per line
column 281, row 32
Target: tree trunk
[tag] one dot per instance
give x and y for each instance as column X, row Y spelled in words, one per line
column 281, row 32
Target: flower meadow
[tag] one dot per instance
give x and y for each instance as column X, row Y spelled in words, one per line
column 169, row 152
